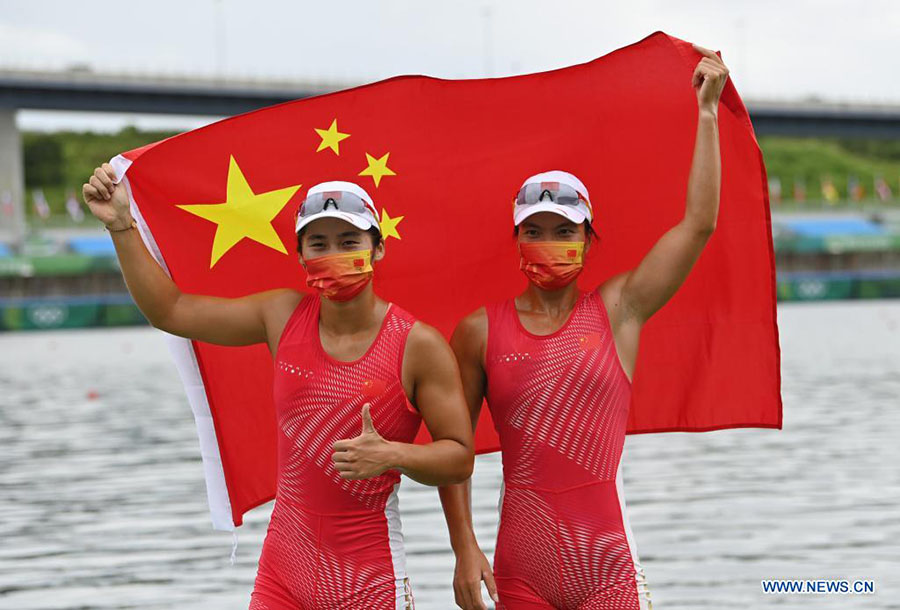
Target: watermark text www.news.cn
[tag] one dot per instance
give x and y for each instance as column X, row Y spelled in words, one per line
column 818, row 586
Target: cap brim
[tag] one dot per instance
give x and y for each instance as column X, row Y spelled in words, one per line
column 357, row 221
column 566, row 211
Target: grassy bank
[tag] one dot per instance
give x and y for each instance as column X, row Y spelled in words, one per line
column 62, row 161
column 810, row 159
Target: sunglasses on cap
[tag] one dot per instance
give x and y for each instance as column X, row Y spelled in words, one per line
column 339, row 200
column 563, row 194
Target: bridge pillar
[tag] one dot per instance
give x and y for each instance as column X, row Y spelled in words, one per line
column 12, row 179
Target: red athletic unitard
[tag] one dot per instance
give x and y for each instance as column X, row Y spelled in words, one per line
column 333, row 543
column 560, row 405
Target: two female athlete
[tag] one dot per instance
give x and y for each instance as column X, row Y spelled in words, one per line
column 354, row 374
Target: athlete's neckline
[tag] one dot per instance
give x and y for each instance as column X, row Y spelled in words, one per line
column 515, row 312
column 334, row 360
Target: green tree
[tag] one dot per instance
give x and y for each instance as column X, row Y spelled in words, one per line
column 43, row 159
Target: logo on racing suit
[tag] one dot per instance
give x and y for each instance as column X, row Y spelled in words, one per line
column 590, row 341
column 373, row 387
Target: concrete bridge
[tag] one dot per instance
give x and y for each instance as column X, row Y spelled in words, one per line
column 85, row 90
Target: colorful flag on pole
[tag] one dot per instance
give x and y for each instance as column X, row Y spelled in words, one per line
column 73, row 207
column 882, row 189
column 855, row 189
column 442, row 160
column 800, row 189
column 775, row 190
column 829, row 191
column 6, row 204
column 41, row 207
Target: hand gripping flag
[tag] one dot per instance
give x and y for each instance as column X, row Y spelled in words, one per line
column 443, row 160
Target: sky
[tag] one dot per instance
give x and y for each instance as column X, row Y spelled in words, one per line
column 837, row 50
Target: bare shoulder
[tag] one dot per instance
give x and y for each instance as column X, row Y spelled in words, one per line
column 277, row 306
column 427, row 356
column 472, row 329
column 423, row 339
column 281, row 302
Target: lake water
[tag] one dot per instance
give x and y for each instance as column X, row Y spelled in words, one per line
column 103, row 502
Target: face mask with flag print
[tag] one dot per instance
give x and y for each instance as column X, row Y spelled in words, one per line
column 339, row 277
column 552, row 264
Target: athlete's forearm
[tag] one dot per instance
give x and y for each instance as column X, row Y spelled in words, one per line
column 702, row 206
column 441, row 462
column 456, row 502
column 153, row 291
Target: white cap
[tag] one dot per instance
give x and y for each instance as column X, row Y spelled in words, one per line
column 363, row 221
column 576, row 213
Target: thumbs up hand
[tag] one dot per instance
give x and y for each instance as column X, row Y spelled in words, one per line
column 367, row 455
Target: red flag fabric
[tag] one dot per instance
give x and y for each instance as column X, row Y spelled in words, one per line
column 443, row 160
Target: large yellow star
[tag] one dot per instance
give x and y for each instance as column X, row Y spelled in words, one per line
column 389, row 225
column 377, row 168
column 244, row 214
column 331, row 138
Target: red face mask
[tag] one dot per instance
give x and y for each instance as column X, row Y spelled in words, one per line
column 552, row 264
column 340, row 277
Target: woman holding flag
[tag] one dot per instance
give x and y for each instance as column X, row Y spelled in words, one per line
column 555, row 366
column 353, row 378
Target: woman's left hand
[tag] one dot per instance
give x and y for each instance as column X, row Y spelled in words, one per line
column 709, row 79
column 367, row 455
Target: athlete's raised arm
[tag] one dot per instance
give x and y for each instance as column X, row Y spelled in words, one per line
column 239, row 321
column 665, row 267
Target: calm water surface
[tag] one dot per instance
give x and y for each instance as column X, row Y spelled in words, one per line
column 103, row 502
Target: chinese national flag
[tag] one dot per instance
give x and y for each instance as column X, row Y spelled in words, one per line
column 443, row 160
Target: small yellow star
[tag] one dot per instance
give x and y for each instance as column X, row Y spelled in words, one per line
column 244, row 214
column 377, row 168
column 331, row 138
column 389, row 225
